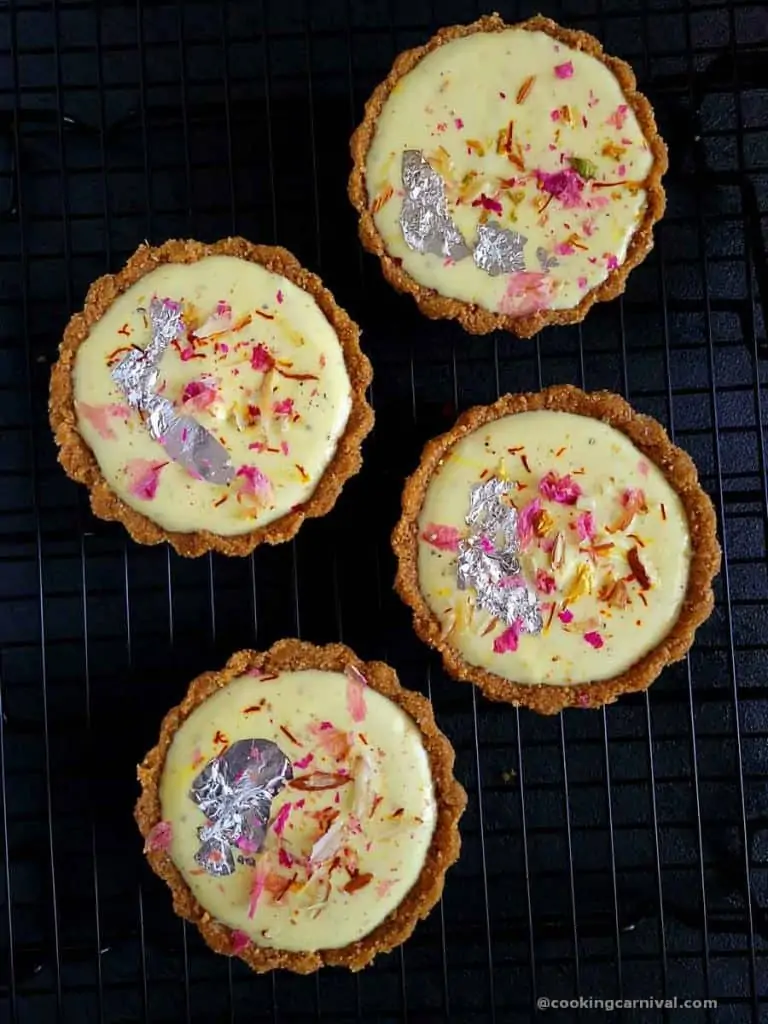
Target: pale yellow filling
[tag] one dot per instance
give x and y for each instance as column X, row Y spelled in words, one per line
column 599, row 618
column 284, row 421
column 456, row 106
column 382, row 820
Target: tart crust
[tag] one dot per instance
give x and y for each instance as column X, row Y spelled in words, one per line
column 678, row 468
column 474, row 319
column 292, row 655
column 80, row 463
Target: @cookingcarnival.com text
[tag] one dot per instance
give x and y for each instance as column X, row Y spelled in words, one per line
column 598, row 1003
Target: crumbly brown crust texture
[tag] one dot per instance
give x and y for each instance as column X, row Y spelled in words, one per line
column 474, row 319
column 287, row 656
column 79, row 461
column 679, row 470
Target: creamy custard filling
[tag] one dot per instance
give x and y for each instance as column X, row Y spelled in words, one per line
column 346, row 837
column 603, row 539
column 259, row 366
column 530, row 135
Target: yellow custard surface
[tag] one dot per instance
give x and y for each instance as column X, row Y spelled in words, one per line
column 525, row 133
column 259, row 366
column 604, row 543
column 339, row 859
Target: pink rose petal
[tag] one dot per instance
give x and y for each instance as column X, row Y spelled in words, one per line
column 239, row 941
column 304, row 761
column 594, row 640
column 160, row 837
column 143, row 477
column 99, row 415
column 257, row 886
column 562, row 489
column 488, row 203
column 284, row 858
column 544, row 582
column 255, row 483
column 619, row 116
column 507, row 641
column 444, row 538
column 199, row 394
column 527, row 292
column 278, row 825
column 525, row 522
column 565, row 616
column 262, row 359
column 585, row 526
column 283, row 408
column 564, row 70
column 566, row 185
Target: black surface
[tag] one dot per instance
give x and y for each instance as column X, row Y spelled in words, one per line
column 628, row 855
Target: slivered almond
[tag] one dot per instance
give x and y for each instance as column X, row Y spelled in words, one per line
column 619, row 596
column 449, row 624
column 491, row 626
column 558, row 552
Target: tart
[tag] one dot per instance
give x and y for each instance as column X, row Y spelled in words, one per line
column 508, row 176
column 301, row 806
column 557, row 549
column 210, row 395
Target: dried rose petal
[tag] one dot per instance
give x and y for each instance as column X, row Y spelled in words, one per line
column 444, row 538
column 562, row 489
column 508, row 640
column 160, row 837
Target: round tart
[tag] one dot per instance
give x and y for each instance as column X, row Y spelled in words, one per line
column 211, row 395
column 508, row 176
column 557, row 549
column 302, row 807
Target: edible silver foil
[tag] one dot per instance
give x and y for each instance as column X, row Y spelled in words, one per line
column 546, row 261
column 499, row 251
column 488, row 559
column 185, row 440
column 235, row 792
column 427, row 225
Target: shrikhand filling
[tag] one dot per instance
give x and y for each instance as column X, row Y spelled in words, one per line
column 529, row 137
column 345, row 832
column 257, row 364
column 602, row 543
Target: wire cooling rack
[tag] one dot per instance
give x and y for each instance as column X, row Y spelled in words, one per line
column 607, row 855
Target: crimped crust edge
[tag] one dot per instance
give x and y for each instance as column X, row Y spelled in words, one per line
column 678, row 468
column 79, row 461
column 474, row 319
column 291, row 655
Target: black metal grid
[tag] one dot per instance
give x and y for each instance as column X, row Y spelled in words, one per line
column 621, row 853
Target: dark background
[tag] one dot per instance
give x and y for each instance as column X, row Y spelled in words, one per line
column 616, row 853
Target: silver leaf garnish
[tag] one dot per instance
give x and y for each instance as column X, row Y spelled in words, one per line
column 427, row 225
column 499, row 251
column 488, row 559
column 184, row 439
column 235, row 792
column 546, row 262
